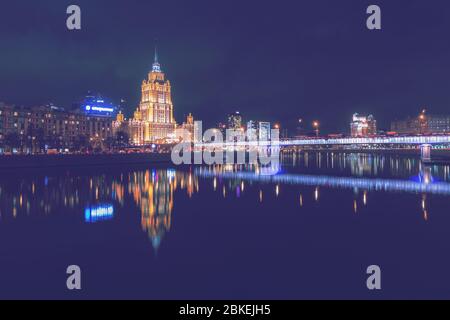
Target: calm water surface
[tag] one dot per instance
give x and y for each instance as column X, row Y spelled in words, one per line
column 308, row 228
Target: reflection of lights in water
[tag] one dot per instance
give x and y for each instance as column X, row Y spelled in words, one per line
column 355, row 206
column 365, row 198
column 98, row 213
column 277, row 190
column 337, row 182
column 242, row 186
column 224, row 192
column 316, row 194
column 260, row 196
column 215, row 184
column 171, row 173
column 424, row 207
column 301, row 200
column 238, row 192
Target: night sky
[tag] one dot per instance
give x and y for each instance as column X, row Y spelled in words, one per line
column 276, row 61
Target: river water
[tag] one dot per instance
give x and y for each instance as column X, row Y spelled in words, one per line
column 307, row 228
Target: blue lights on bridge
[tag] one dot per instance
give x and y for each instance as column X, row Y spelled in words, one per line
column 374, row 141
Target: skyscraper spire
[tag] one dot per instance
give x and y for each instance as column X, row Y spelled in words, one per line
column 156, row 54
column 156, row 67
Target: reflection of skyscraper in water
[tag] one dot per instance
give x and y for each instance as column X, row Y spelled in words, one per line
column 153, row 192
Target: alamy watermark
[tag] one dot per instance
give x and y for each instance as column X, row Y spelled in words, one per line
column 236, row 146
column 74, row 280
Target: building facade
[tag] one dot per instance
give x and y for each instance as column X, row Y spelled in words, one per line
column 234, row 121
column 38, row 129
column 423, row 124
column 153, row 120
column 363, row 126
column 264, row 131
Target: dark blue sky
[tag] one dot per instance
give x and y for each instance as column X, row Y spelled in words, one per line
column 277, row 60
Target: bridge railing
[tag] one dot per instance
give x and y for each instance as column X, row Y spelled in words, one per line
column 409, row 140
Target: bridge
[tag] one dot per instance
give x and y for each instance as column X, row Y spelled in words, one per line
column 425, row 143
column 381, row 140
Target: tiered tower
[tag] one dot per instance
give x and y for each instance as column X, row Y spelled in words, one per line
column 154, row 120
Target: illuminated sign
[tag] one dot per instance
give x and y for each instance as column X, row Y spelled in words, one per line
column 98, row 106
column 99, row 109
column 98, row 213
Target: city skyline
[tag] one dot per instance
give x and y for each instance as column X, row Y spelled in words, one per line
column 222, row 157
column 289, row 67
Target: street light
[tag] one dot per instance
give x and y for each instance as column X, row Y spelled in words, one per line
column 316, row 125
column 422, row 122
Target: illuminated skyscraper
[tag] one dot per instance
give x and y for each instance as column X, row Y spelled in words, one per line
column 252, row 130
column 362, row 126
column 264, row 131
column 235, row 121
column 153, row 120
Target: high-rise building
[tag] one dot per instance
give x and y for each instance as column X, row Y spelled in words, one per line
column 363, row 126
column 251, row 124
column 252, row 130
column 235, row 121
column 264, row 131
column 154, row 120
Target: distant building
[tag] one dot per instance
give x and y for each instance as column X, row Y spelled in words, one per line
column 189, row 124
column 198, row 134
column 222, row 127
column 251, row 124
column 423, row 124
column 235, row 121
column 41, row 128
column 252, row 130
column 363, row 126
column 120, row 125
column 264, row 131
column 185, row 131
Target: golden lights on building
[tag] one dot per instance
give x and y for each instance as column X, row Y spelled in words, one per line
column 153, row 120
